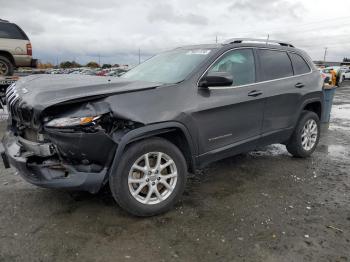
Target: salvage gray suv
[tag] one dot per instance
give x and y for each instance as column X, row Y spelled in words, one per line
column 175, row 113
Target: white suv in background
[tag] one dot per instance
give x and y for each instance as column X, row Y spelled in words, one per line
column 15, row 49
column 345, row 73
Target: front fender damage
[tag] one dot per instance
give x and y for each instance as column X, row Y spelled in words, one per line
column 93, row 144
column 75, row 157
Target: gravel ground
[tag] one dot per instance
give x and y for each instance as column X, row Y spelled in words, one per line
column 261, row 206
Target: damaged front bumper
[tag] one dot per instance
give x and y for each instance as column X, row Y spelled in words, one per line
column 50, row 172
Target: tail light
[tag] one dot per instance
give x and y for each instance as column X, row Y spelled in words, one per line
column 29, row 49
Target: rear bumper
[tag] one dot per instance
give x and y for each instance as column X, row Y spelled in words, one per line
column 48, row 174
column 34, row 63
column 25, row 61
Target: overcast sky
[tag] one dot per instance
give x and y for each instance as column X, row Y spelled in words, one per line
column 82, row 30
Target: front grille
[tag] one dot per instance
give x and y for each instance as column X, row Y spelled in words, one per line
column 12, row 98
column 17, row 108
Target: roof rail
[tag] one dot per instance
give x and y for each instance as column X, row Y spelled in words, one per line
column 2, row 20
column 266, row 41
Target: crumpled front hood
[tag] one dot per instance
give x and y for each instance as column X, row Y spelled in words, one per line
column 42, row 91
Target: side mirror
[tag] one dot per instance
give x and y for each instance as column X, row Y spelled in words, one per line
column 216, row 79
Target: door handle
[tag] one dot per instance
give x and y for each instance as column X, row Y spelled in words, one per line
column 255, row 93
column 299, row 85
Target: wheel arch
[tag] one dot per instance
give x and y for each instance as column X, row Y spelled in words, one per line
column 174, row 132
column 8, row 55
column 314, row 105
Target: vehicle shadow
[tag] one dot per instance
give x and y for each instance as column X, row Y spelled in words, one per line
column 219, row 180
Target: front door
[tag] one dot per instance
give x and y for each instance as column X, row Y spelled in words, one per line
column 231, row 115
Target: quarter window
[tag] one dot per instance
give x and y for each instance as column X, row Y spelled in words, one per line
column 299, row 64
column 274, row 64
column 239, row 63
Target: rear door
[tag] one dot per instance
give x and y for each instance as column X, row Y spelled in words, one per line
column 227, row 116
column 283, row 88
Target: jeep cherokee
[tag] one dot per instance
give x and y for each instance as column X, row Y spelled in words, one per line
column 175, row 113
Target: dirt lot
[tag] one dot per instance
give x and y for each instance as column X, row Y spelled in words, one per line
column 262, row 206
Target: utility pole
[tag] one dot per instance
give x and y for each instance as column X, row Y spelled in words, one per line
column 99, row 59
column 216, row 39
column 139, row 56
column 268, row 38
column 325, row 54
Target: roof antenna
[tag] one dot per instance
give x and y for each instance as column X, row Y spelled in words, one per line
column 268, row 37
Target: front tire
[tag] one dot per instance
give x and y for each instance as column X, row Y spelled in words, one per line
column 306, row 135
column 6, row 67
column 150, row 178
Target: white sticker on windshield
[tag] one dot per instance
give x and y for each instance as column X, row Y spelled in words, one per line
column 198, row 52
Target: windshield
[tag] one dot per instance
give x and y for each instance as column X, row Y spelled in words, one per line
column 169, row 67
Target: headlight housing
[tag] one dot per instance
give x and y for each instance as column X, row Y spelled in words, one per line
column 72, row 121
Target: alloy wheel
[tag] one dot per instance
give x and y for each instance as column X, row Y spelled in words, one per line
column 3, row 69
column 309, row 135
column 152, row 178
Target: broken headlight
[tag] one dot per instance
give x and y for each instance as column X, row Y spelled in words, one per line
column 72, row 121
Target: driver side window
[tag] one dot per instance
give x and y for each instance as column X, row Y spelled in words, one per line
column 239, row 63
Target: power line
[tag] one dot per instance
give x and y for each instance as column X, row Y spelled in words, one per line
column 283, row 29
column 323, row 27
column 328, row 45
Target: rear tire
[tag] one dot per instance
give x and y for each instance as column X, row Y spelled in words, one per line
column 149, row 187
column 306, row 135
column 6, row 67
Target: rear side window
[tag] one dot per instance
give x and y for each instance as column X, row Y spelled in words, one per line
column 11, row 31
column 299, row 64
column 274, row 64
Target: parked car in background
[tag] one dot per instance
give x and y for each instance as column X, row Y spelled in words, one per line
column 15, row 49
column 323, row 75
column 143, row 132
column 345, row 74
column 102, row 72
column 326, row 72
